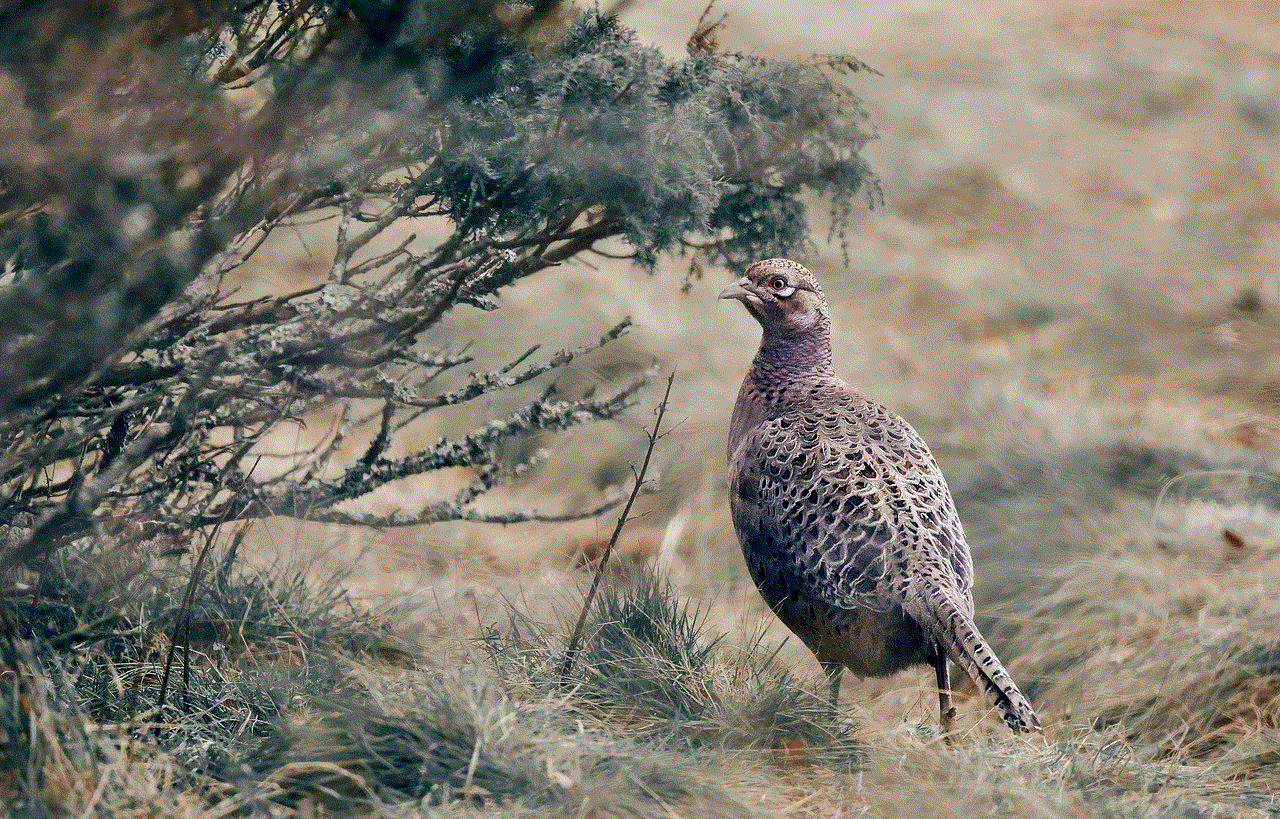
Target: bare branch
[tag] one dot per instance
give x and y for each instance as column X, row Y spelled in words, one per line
column 575, row 636
column 310, row 500
column 445, row 511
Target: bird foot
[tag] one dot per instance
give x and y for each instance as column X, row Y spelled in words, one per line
column 948, row 719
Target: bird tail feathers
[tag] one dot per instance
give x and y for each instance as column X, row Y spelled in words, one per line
column 959, row 636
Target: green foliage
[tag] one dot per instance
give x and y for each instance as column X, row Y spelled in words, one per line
column 138, row 178
column 668, row 152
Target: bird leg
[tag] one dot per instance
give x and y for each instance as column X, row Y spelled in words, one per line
column 946, row 711
column 833, row 679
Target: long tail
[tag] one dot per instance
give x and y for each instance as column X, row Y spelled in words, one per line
column 954, row 628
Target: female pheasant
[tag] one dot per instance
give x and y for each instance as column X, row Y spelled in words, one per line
column 846, row 522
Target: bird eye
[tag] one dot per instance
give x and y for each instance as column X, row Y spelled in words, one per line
column 781, row 286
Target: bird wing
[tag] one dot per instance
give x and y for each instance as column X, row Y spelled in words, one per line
column 844, row 494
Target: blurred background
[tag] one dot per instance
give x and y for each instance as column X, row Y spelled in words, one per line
column 1072, row 290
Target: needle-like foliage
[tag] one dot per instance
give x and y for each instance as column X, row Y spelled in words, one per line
column 150, row 151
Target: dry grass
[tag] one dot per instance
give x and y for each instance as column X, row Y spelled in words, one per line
column 1176, row 658
column 1154, row 667
column 1072, row 294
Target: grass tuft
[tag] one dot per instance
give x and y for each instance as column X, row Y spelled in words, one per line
column 648, row 662
column 85, row 653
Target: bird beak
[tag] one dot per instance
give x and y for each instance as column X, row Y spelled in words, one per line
column 739, row 291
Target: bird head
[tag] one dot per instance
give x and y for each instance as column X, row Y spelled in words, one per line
column 782, row 295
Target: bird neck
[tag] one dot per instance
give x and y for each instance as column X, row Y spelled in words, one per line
column 784, row 358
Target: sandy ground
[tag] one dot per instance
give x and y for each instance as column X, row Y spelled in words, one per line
column 1073, row 291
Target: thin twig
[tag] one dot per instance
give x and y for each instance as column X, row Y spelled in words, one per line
column 575, row 637
column 182, row 629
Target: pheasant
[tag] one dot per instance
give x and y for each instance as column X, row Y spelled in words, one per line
column 847, row 525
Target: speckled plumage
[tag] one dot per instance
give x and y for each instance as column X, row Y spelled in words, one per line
column 846, row 522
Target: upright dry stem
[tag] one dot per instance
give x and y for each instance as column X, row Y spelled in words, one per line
column 575, row 638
